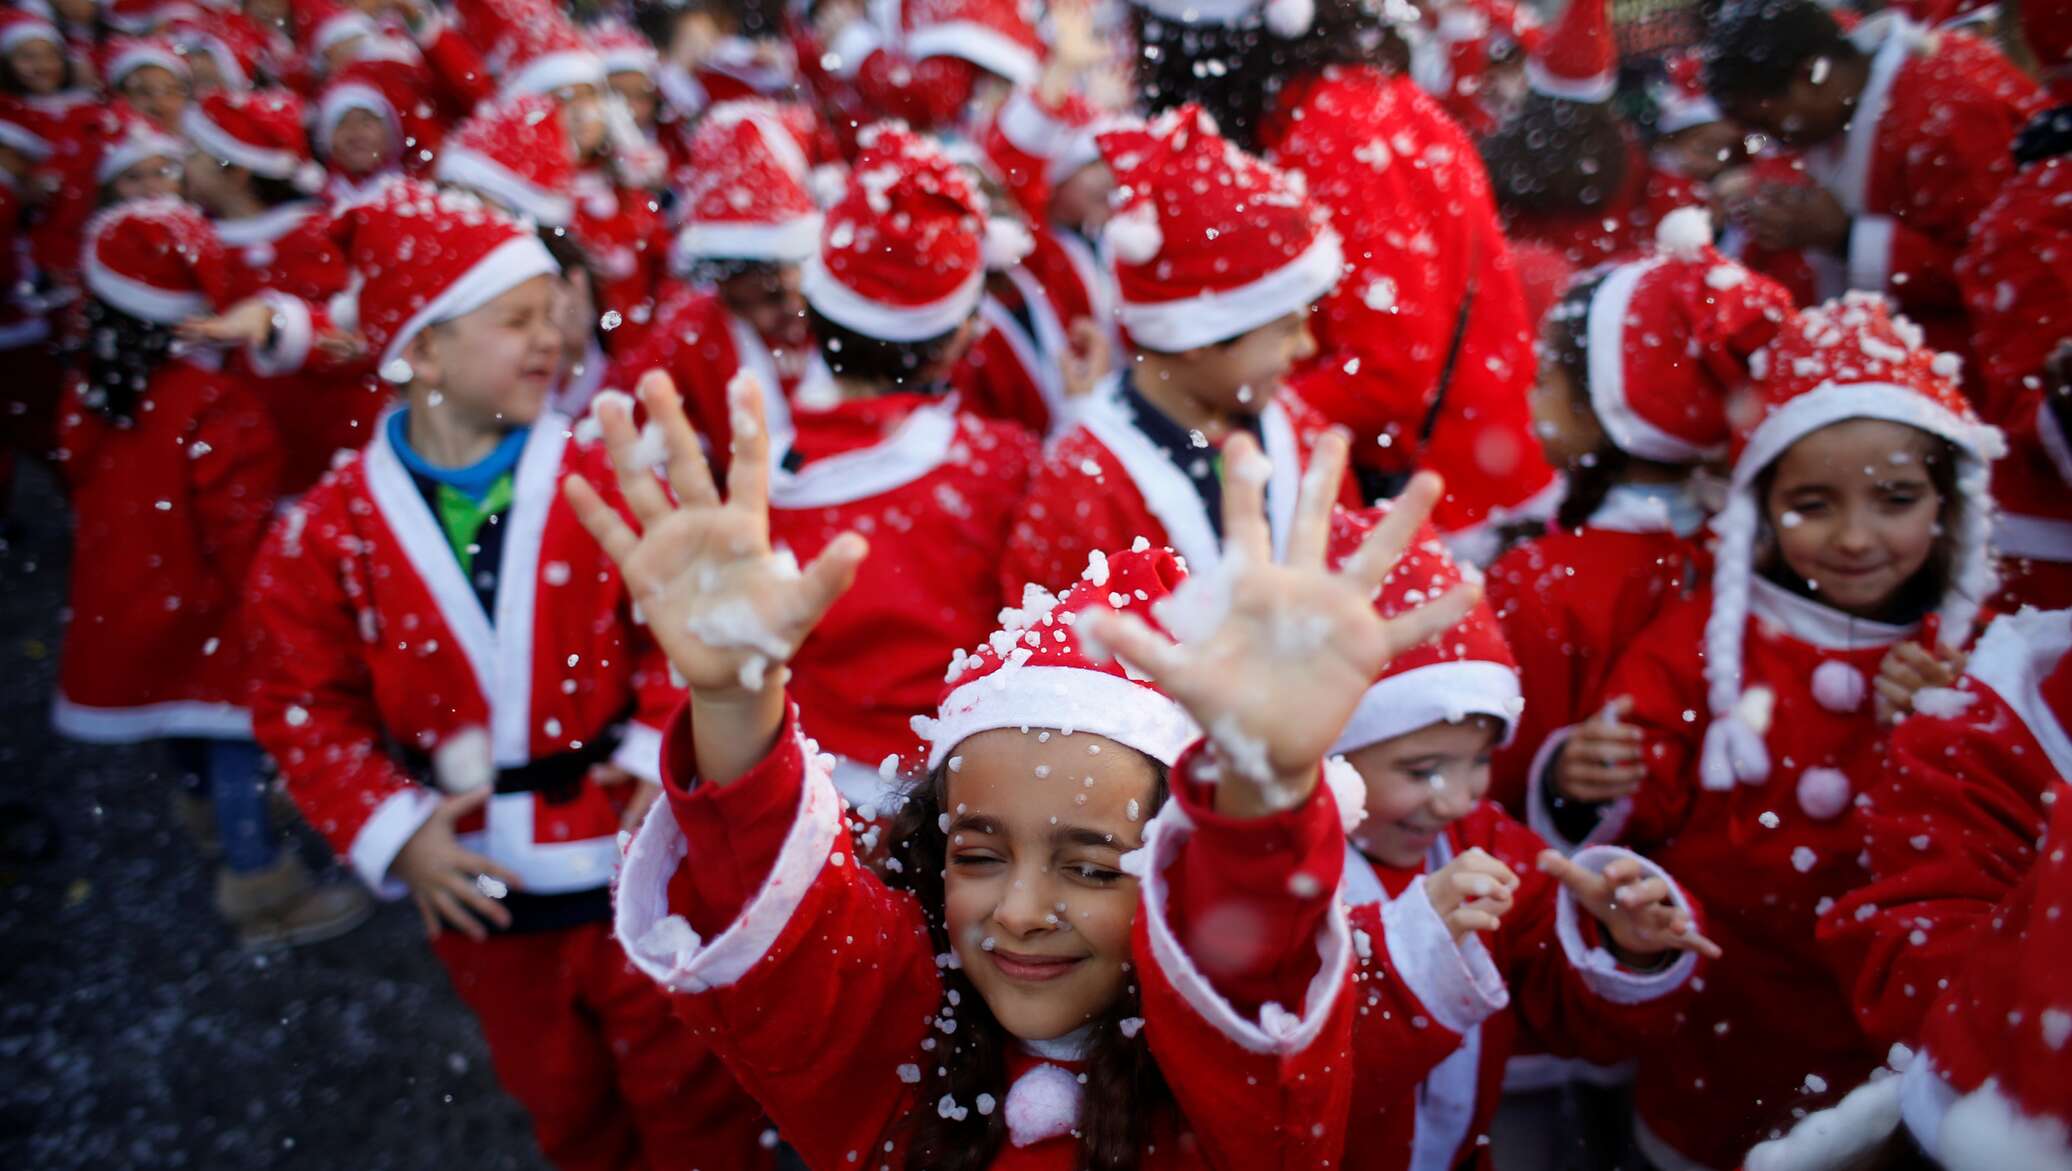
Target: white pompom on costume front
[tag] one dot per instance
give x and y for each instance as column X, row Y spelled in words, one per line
column 1839, row 687
column 1823, row 793
column 1043, row 1103
column 463, row 762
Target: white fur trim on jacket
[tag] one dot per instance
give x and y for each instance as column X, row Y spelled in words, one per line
column 1207, row 318
column 1604, row 975
column 1985, row 1131
column 640, row 751
column 155, row 721
column 1276, row 1030
column 1458, row 984
column 270, row 164
column 1835, row 1139
column 892, row 323
column 466, row 168
column 677, row 959
column 918, row 447
column 383, row 834
column 1068, row 699
column 1870, row 251
column 1438, row 693
column 293, row 336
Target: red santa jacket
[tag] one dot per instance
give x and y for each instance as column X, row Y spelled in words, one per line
column 1104, row 484
column 1424, row 1095
column 2019, row 299
column 1077, row 281
column 1955, row 824
column 1570, row 603
column 1013, row 370
column 1771, row 1030
column 320, row 407
column 1924, row 154
column 1414, row 207
column 932, row 489
column 627, row 239
column 168, row 511
column 819, row 985
column 374, row 644
column 701, row 346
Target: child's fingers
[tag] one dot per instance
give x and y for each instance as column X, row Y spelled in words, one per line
column 1312, row 530
column 474, row 863
column 690, row 477
column 469, row 892
column 830, row 575
column 1899, row 696
column 1595, row 784
column 600, row 520
column 1688, row 939
column 1585, row 885
column 748, row 476
column 1645, row 892
column 1465, row 920
column 637, row 481
column 1430, row 620
column 1477, row 859
column 1592, row 745
column 1136, row 643
column 1245, row 471
column 1381, row 549
column 456, row 917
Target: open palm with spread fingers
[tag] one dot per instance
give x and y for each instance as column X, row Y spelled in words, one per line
column 1272, row 656
column 727, row 609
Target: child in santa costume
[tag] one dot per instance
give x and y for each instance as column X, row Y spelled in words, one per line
column 1688, row 135
column 1467, row 910
column 1639, row 365
column 892, row 295
column 749, row 224
column 357, row 130
column 1048, row 152
column 1906, row 132
column 36, row 65
column 1851, row 563
column 461, row 700
column 173, row 469
column 2020, row 306
column 252, row 171
column 1220, row 257
column 150, row 75
column 933, row 63
column 1009, row 1003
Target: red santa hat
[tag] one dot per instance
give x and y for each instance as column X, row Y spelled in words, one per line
column 1039, row 671
column 21, row 129
column 261, row 132
column 991, row 34
column 1681, row 102
column 1670, row 337
column 420, row 256
column 150, row 259
column 531, row 45
column 900, row 256
column 1035, row 145
column 320, row 25
column 119, row 138
column 1286, row 19
column 2047, row 28
column 17, row 28
column 139, row 18
column 359, row 86
column 1578, row 60
column 123, row 56
column 227, row 38
column 748, row 197
column 1209, row 242
column 1847, row 359
column 623, row 48
column 1468, row 671
column 516, row 152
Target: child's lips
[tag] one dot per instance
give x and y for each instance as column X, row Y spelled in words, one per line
column 1032, row 968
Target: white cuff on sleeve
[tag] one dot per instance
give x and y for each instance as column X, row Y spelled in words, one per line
column 1457, row 984
column 383, row 834
column 1599, row 970
column 640, row 751
column 1870, row 252
column 1610, row 819
column 290, row 348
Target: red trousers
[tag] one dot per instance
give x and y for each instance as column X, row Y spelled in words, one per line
column 613, row 1081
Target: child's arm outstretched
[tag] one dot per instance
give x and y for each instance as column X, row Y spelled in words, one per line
column 1240, row 874
column 814, row 981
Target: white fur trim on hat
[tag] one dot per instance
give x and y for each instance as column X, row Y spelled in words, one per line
column 1606, row 326
column 1067, row 699
column 1174, row 326
column 138, row 56
column 261, row 161
column 134, row 149
column 1684, row 113
column 508, row 265
column 1437, row 693
column 554, row 71
column 984, row 47
column 340, row 100
column 789, row 242
column 893, row 323
column 1588, row 90
column 467, row 168
column 1833, row 402
column 341, row 27
column 140, row 300
column 30, row 30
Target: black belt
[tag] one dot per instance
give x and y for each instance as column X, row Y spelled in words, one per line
column 558, row 777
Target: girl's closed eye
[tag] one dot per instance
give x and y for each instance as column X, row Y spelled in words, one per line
column 1093, row 872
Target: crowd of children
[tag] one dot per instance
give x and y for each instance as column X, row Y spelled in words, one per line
column 1259, row 584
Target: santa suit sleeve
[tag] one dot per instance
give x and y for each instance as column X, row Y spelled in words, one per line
column 814, row 982
column 236, row 473
column 1949, row 832
column 1245, row 952
column 1545, row 649
column 313, row 706
column 1950, row 174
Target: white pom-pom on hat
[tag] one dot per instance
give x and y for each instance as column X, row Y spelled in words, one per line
column 1288, row 19
column 1685, row 233
column 308, row 178
column 1006, row 243
column 1134, row 236
column 1349, row 790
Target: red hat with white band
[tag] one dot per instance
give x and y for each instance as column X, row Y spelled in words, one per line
column 149, row 258
column 1579, row 60
column 261, row 132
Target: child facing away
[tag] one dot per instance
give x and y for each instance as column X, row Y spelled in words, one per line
column 1852, row 558
column 1468, row 911
column 1006, row 1003
column 1219, row 257
column 461, row 699
column 1638, row 365
column 173, row 467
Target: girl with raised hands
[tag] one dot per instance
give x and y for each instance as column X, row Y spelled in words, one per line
column 1001, row 999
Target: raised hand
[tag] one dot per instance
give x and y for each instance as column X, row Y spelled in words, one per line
column 727, row 610
column 1272, row 658
column 1634, row 906
column 1601, row 760
column 1471, row 893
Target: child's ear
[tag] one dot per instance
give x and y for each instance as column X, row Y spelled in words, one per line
column 423, row 355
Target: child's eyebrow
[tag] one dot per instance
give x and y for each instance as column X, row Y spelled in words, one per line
column 1079, row 835
column 977, row 823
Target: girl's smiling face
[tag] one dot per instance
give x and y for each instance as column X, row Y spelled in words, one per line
column 1856, row 511
column 1418, row 784
column 1034, row 897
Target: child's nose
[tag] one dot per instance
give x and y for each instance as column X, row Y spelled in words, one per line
column 1025, row 907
